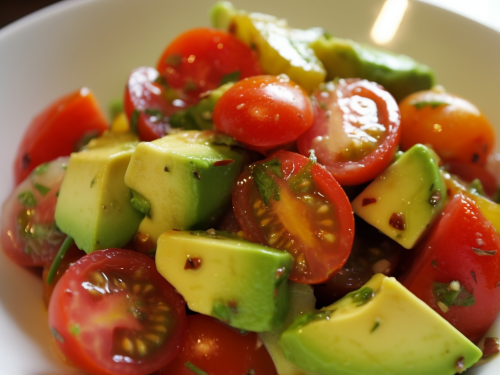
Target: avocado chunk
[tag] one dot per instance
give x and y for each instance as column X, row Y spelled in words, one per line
column 199, row 116
column 398, row 74
column 302, row 301
column 281, row 49
column 379, row 329
column 404, row 199
column 239, row 282
column 186, row 177
column 93, row 205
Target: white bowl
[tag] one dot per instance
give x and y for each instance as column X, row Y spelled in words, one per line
column 95, row 43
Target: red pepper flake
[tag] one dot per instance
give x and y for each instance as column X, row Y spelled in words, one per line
column 491, row 346
column 26, row 161
column 367, row 201
column 192, row 263
column 459, row 365
column 197, row 175
column 233, row 306
column 221, row 163
column 397, row 221
column 484, row 252
column 279, row 272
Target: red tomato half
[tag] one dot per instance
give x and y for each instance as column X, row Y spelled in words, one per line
column 201, row 59
column 288, row 202
column 218, row 349
column 112, row 313
column 149, row 102
column 457, row 267
column 355, row 132
column 264, row 112
column 58, row 130
column 28, row 233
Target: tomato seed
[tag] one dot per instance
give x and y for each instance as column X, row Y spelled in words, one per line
column 329, row 237
column 127, row 345
column 141, row 346
column 257, row 204
column 323, row 209
column 326, row 223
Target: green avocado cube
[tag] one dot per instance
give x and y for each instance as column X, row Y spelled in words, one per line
column 398, row 74
column 186, row 177
column 380, row 329
column 93, row 205
column 239, row 282
column 403, row 200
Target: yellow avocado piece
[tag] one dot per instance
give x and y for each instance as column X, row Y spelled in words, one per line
column 381, row 329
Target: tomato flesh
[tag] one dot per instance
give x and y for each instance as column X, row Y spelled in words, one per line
column 463, row 249
column 290, row 203
column 58, row 130
column 355, row 132
column 264, row 112
column 200, row 59
column 218, row 349
column 113, row 313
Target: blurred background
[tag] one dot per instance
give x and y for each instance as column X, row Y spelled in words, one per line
column 11, row 10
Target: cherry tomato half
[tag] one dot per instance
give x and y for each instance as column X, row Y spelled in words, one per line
column 58, row 130
column 454, row 127
column 264, row 112
column 149, row 102
column 471, row 171
column 113, row 313
column 355, row 132
column 28, row 233
column 201, row 59
column 217, row 349
column 289, row 202
column 456, row 269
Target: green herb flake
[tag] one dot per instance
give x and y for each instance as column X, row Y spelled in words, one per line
column 141, row 204
column 476, row 187
column 434, row 263
column 134, row 120
column 362, row 296
column 375, row 326
column 74, row 329
column 42, row 189
column 27, row 199
column 323, row 106
column 231, row 77
column 173, row 60
column 195, row 369
column 432, row 103
column 41, row 169
column 115, row 107
column 190, row 86
column 94, row 180
column 450, row 297
column 56, row 335
column 473, row 274
column 266, row 185
column 154, row 112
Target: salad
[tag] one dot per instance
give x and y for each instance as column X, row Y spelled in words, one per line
column 282, row 200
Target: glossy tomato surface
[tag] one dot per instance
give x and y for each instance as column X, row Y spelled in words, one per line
column 355, row 132
column 28, row 232
column 455, row 128
column 58, row 131
column 289, row 202
column 456, row 269
column 113, row 313
column 264, row 112
column 217, row 349
column 202, row 59
column 148, row 103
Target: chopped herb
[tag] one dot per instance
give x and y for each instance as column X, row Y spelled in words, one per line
column 323, row 106
column 41, row 169
column 141, row 204
column 434, row 263
column 68, row 242
column 362, row 296
column 473, row 274
column 476, row 187
column 484, row 252
column 195, row 369
column 375, row 326
column 173, row 60
column 115, row 107
column 153, row 112
column 74, row 330
column 28, row 250
column 231, row 77
column 85, row 139
column 94, row 180
column 266, row 185
column 134, row 120
column 190, row 86
column 27, row 199
column 450, row 297
column 56, row 335
column 42, row 189
column 431, row 103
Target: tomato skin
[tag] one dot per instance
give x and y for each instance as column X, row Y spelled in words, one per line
column 345, row 108
column 56, row 131
column 318, row 256
column 219, row 349
column 457, row 131
column 264, row 112
column 471, row 171
column 197, row 61
column 447, row 255
column 145, row 93
column 28, row 234
column 91, row 316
